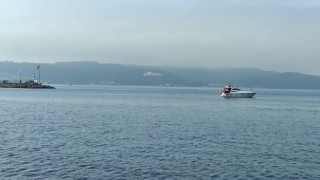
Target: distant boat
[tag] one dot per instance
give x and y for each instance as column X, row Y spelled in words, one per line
column 230, row 91
column 152, row 74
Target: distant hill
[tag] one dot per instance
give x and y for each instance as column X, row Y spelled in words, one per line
column 249, row 77
column 89, row 72
column 114, row 74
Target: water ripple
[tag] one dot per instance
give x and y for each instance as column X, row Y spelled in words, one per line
column 156, row 133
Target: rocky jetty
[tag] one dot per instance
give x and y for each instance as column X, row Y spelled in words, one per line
column 30, row 84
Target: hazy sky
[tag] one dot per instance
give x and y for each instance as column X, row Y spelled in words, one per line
column 280, row 35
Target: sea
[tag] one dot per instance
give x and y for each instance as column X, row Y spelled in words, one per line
column 128, row 132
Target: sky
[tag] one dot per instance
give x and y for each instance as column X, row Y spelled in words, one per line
column 276, row 35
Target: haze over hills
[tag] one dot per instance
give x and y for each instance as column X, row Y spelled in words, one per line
column 89, row 72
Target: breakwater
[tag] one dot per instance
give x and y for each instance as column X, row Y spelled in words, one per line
column 31, row 85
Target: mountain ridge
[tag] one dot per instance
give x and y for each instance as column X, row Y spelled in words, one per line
column 91, row 72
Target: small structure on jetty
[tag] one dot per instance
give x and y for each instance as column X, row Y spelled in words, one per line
column 32, row 84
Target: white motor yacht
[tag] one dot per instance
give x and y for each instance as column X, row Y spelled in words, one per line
column 230, row 91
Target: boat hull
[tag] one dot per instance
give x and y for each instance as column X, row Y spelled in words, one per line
column 238, row 95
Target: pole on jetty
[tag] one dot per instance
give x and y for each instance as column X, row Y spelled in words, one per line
column 38, row 68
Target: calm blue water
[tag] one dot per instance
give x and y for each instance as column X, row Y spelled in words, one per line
column 108, row 132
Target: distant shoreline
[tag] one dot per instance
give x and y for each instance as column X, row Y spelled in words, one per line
column 115, row 74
